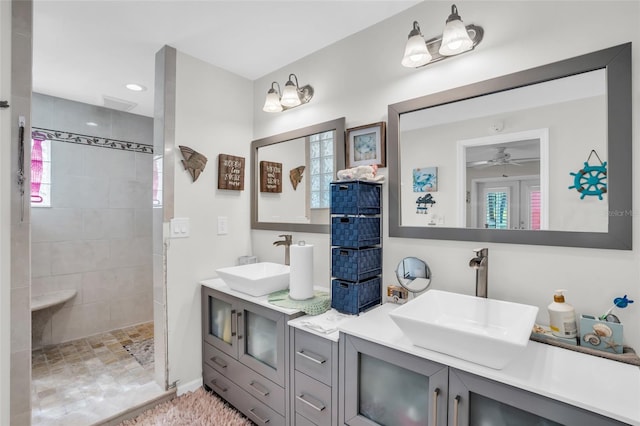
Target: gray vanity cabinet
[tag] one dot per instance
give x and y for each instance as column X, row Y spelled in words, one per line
column 475, row 400
column 245, row 356
column 383, row 386
column 315, row 379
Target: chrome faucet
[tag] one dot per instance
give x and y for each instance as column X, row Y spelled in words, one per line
column 481, row 264
column 286, row 243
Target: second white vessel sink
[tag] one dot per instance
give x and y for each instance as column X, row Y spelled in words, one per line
column 256, row 279
column 484, row 331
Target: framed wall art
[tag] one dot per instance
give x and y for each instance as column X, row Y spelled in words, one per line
column 270, row 176
column 425, row 179
column 366, row 145
column 230, row 172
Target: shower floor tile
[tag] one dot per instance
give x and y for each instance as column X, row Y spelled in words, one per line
column 88, row 380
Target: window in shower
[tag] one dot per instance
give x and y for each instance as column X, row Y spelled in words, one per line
column 40, row 170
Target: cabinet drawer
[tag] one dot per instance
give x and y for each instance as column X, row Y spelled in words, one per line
column 312, row 356
column 255, row 384
column 312, row 399
column 255, row 410
column 302, row 421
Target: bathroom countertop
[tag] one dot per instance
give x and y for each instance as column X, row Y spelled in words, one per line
column 596, row 384
column 324, row 325
column 218, row 284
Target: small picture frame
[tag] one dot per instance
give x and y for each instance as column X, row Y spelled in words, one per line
column 366, row 145
column 425, row 179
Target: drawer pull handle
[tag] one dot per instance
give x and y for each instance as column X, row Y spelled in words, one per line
column 233, row 322
column 265, row 421
column 436, row 392
column 262, row 392
column 215, row 384
column 317, row 360
column 238, row 316
column 310, row 404
column 456, row 402
column 218, row 361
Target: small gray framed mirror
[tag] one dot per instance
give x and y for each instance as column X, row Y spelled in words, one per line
column 550, row 153
column 310, row 157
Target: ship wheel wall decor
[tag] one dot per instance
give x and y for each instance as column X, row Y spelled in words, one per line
column 591, row 180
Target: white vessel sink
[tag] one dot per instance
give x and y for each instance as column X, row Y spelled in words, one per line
column 256, row 279
column 484, row 331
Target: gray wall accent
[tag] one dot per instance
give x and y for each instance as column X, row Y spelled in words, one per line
column 96, row 236
column 21, row 65
column 164, row 148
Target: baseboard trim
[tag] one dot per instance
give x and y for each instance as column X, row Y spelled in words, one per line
column 134, row 412
column 189, row 387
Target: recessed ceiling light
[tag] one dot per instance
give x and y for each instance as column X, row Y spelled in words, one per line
column 91, row 123
column 136, row 87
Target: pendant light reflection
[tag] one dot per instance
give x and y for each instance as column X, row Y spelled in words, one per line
column 292, row 96
column 456, row 38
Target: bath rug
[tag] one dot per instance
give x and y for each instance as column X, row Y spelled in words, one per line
column 197, row 408
column 142, row 351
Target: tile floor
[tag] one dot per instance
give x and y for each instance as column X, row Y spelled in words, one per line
column 81, row 382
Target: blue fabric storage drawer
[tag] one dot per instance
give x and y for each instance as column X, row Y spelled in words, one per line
column 353, row 298
column 355, row 197
column 356, row 265
column 355, row 231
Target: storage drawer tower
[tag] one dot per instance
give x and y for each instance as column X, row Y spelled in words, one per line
column 356, row 251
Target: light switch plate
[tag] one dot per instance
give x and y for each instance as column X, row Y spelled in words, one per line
column 179, row 227
column 223, row 225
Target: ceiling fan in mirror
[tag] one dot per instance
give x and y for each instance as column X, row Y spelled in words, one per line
column 500, row 158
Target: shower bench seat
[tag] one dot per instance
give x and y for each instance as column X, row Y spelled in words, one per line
column 46, row 300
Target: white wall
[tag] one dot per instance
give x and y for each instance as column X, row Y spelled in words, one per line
column 213, row 116
column 359, row 76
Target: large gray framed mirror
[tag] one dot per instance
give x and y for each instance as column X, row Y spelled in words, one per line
column 494, row 161
column 290, row 177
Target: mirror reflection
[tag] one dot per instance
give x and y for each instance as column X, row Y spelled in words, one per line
column 580, row 106
column 291, row 176
column 413, row 274
column 489, row 160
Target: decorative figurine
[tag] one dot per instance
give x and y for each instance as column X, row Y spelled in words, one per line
column 295, row 175
column 193, row 161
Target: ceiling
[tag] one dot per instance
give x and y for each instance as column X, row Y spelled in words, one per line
column 85, row 50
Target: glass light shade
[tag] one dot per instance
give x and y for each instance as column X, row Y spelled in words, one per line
column 416, row 53
column 455, row 39
column 272, row 102
column 290, row 96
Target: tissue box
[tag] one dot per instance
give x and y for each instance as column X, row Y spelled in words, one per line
column 355, row 197
column 355, row 232
column 356, row 265
column 353, row 298
column 601, row 335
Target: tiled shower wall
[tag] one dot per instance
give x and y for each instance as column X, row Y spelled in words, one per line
column 97, row 236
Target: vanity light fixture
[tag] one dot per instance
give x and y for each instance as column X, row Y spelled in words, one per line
column 456, row 38
column 292, row 96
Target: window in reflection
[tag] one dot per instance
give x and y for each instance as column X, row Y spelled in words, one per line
column 321, row 169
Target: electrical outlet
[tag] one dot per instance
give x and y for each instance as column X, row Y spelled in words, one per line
column 223, row 225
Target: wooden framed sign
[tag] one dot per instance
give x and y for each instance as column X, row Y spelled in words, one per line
column 270, row 176
column 230, row 172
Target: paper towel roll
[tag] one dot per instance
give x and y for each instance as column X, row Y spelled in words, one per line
column 301, row 272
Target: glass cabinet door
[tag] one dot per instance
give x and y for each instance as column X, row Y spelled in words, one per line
column 219, row 321
column 476, row 401
column 261, row 340
column 387, row 387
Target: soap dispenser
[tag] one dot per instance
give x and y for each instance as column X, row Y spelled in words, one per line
column 562, row 317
